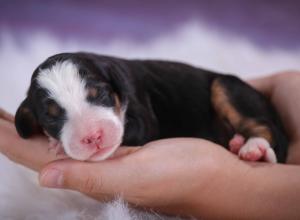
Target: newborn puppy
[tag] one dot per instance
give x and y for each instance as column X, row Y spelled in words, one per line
column 90, row 104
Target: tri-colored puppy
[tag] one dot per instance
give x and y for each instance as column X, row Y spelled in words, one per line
column 91, row 104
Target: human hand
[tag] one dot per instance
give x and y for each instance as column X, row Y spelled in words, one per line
column 162, row 175
column 283, row 90
column 32, row 153
column 167, row 175
column 153, row 176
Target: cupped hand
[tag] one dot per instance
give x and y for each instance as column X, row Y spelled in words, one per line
column 32, row 153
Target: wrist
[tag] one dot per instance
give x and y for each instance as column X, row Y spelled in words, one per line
column 249, row 191
column 223, row 193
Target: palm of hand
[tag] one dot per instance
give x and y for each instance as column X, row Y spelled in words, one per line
column 284, row 91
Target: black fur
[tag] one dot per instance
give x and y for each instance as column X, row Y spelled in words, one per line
column 164, row 99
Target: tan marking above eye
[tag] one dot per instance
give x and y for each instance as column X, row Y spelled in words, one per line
column 92, row 92
column 25, row 110
column 53, row 109
column 118, row 104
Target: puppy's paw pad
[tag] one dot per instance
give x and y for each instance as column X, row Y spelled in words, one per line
column 236, row 143
column 257, row 149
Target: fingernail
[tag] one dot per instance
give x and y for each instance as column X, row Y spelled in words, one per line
column 52, row 178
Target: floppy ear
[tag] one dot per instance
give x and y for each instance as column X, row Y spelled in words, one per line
column 116, row 72
column 118, row 79
column 25, row 121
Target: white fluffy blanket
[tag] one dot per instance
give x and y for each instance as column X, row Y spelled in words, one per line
column 21, row 197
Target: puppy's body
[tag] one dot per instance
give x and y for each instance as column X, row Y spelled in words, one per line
column 153, row 100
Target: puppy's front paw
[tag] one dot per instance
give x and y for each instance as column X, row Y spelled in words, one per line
column 257, row 148
column 56, row 146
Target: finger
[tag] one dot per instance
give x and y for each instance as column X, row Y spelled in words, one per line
column 107, row 177
column 32, row 153
column 6, row 116
column 124, row 151
column 294, row 153
column 264, row 84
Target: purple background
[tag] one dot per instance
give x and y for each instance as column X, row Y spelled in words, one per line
column 267, row 23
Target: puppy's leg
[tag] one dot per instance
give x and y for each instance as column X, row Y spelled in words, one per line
column 256, row 127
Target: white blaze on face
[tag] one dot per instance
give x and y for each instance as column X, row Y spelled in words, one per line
column 90, row 132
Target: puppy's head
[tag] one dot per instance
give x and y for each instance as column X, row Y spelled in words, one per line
column 78, row 101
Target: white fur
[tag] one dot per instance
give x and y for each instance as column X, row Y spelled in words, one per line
column 64, row 84
column 21, row 197
column 89, row 119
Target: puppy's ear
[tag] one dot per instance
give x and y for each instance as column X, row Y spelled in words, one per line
column 25, row 121
column 118, row 78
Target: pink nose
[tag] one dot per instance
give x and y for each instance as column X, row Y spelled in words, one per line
column 93, row 141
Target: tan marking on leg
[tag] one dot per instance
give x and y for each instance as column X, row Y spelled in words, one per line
column 222, row 105
column 256, row 129
column 241, row 124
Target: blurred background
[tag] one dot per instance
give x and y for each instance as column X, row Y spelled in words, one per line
column 248, row 38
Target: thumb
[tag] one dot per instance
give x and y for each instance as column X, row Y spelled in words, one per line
column 124, row 151
column 108, row 177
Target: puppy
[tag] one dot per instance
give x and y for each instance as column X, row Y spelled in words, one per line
column 90, row 104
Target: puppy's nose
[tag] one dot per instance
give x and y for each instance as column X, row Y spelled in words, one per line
column 94, row 140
